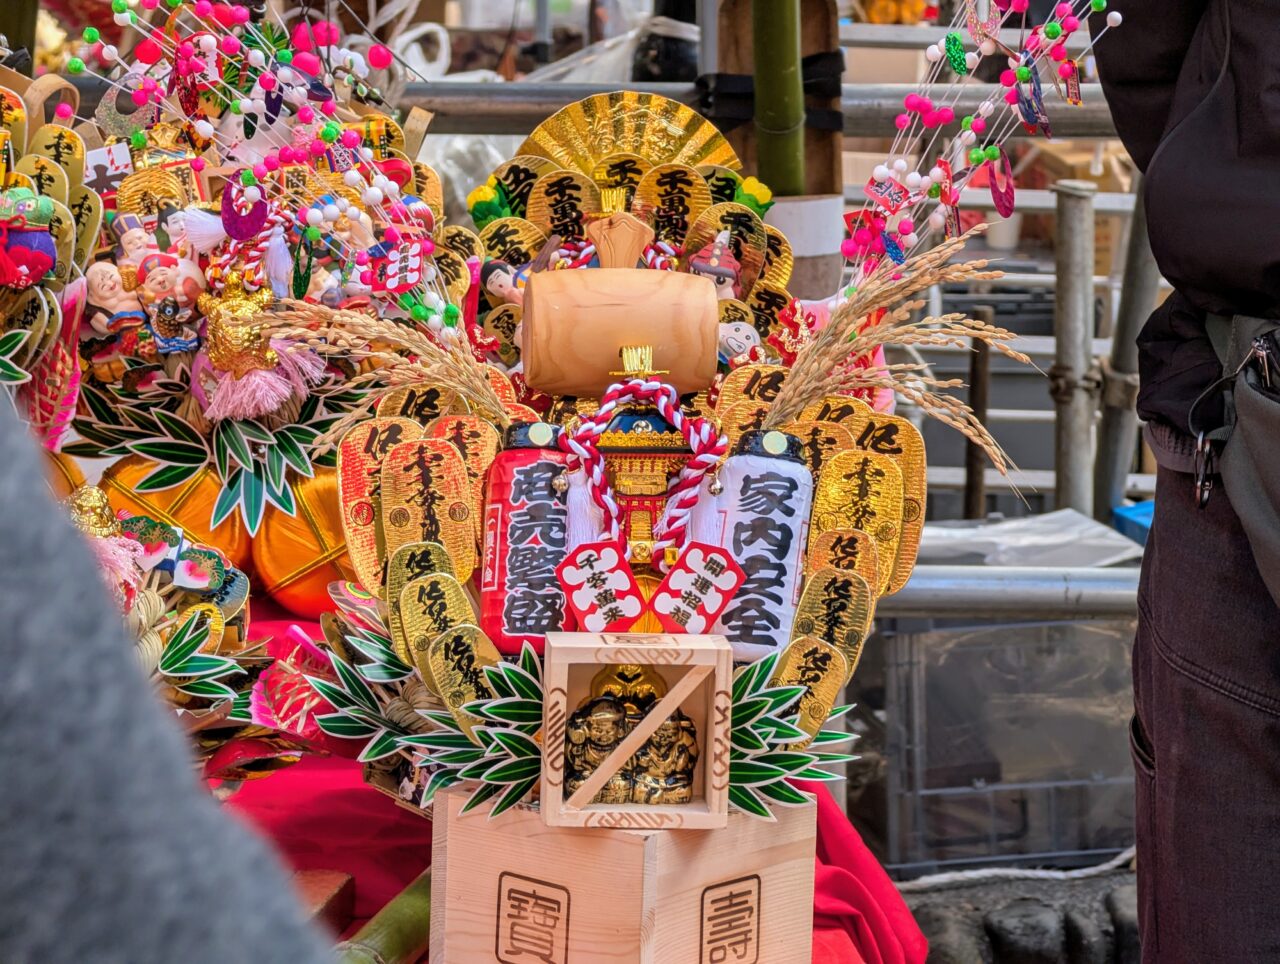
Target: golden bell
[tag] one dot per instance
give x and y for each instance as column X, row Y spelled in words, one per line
column 188, row 506
column 296, row 557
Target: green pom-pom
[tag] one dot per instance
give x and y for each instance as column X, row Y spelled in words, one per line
column 91, row 35
column 967, row 121
column 247, row 178
column 75, row 66
column 977, row 156
column 935, row 191
column 992, row 152
column 133, row 18
column 284, row 56
column 138, row 140
column 1053, row 30
column 1024, row 74
column 451, row 314
column 313, row 233
column 407, row 301
column 119, row 6
column 1098, row 5
column 329, row 133
column 419, row 313
column 235, row 105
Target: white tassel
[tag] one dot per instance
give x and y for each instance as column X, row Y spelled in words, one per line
column 204, row 229
column 585, row 519
column 278, row 262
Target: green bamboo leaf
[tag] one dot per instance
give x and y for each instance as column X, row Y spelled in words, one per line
column 835, row 757
column 326, row 461
column 531, row 664
column 354, row 685
column 84, row 450
column 484, row 792
column 96, row 431
column 781, row 697
column 439, row 780
column 253, row 499
column 310, row 408
column 230, row 435
column 747, row 739
column 517, row 744
column 748, row 711
column 748, row 802
column 166, row 477
column 497, row 681
column 170, row 452
column 228, row 497
column 780, row 731
column 185, row 640
column 211, row 667
column 813, row 773
column 516, row 793
column 140, row 417
column 833, row 737
column 344, row 727
column 838, row 711
column 785, row 794
column 334, row 695
column 748, row 773
column 282, row 497
column 514, row 771
column 103, row 408
column 382, row 673
column 292, row 452
column 752, row 676
column 240, row 711
column 207, row 689
column 178, row 429
column 275, row 468
column 526, row 686
column 479, row 769
column 791, row 761
column 436, row 740
column 221, row 453
column 11, row 341
column 506, row 711
column 11, row 374
column 382, row 745
column 457, row 758
column 444, row 720
column 254, row 432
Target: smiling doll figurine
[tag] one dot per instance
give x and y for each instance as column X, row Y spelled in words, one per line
column 717, row 262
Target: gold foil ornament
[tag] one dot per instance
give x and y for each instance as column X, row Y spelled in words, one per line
column 517, row 177
column 418, row 402
column 835, row 408
column 457, row 659
column 477, row 441
column 412, row 561
column 461, row 241
column 49, row 179
column 671, row 197
column 502, row 387
column 779, row 261
column 335, row 629
column 861, row 490
column 819, row 441
column 455, row 275
column 428, row 186
column 742, row 416
column 513, row 240
column 758, row 383
column 501, row 323
column 852, row 550
column 656, row 128
column 360, row 456
column 86, row 209
column 426, row 497
column 62, row 227
column 730, row 311
column 621, row 170
column 822, row 670
column 13, row 118
column 562, row 202
column 379, row 133
column 146, row 191
column 64, row 147
column 836, row 607
column 767, row 302
column 722, row 182
column 746, row 239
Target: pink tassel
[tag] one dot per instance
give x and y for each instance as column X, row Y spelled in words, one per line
column 256, row 394
column 302, row 368
column 119, row 559
column 281, row 699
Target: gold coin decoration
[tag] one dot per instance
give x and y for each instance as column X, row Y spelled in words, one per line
column 428, row 186
column 335, row 631
column 896, row 437
column 426, row 497
column 822, row 670
column 477, row 441
column 49, row 179
column 13, row 118
column 779, row 261
column 731, row 311
column 860, row 490
column 513, row 240
column 62, row 226
column 502, row 387
column 621, row 170
column 836, row 607
column 722, row 182
column 819, row 441
column 671, row 197
column 216, row 621
column 740, row 417
column 64, row 147
column 501, row 323
column 759, row 383
column 360, row 456
column 17, row 179
column 458, row 657
column 852, row 550
column 31, row 313
column 835, row 408
column 86, row 209
column 656, row 128
column 463, row 242
column 379, row 133
column 413, row 560
column 767, row 302
column 561, row 203
column 517, row 177
column 421, row 403
column 455, row 274
column 145, row 192
column 746, row 239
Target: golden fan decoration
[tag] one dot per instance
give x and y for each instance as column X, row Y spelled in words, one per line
column 659, row 130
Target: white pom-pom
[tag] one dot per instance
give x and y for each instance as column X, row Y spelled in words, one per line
column 314, row 217
column 392, row 189
column 109, row 53
column 122, row 19
column 372, row 196
column 988, row 47
column 352, row 178
column 259, row 105
column 204, row 129
column 910, row 240
column 937, row 220
column 926, row 182
column 253, row 194
column 913, row 181
column 366, row 153
column 246, row 105
column 900, row 166
column 932, row 54
column 287, row 75
column 331, row 212
column 208, row 43
column 1115, row 18
column 256, row 57
column 967, row 138
column 341, row 204
column 296, row 96
column 935, row 173
column 971, row 60
column 881, row 173
column 986, row 108
column 381, row 181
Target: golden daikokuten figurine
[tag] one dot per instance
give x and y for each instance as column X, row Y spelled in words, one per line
column 661, row 771
column 235, row 345
column 91, row 512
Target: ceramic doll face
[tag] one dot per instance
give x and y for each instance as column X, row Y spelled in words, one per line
column 162, row 281
column 104, row 283
column 737, row 337
column 135, row 243
column 499, row 281
column 726, row 284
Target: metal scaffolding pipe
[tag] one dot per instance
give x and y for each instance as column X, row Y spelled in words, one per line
column 1014, row 592
column 1118, row 431
column 1072, row 381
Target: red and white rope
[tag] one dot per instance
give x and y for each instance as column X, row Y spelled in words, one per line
column 706, row 444
column 661, row 256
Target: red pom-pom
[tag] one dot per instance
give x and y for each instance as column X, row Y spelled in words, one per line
column 148, row 51
column 379, row 57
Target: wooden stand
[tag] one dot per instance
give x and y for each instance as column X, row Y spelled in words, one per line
column 512, row 890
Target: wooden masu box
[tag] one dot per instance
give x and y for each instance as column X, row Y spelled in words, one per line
column 697, row 672
column 513, row 890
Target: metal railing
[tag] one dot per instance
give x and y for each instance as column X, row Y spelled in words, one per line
column 1014, row 592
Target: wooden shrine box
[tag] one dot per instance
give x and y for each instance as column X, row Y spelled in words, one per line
column 512, row 890
column 698, row 672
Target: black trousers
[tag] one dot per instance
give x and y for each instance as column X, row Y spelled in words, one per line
column 1206, row 738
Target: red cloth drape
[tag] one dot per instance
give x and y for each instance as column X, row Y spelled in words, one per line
column 322, row 816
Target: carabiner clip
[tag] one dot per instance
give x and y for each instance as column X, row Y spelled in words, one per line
column 1204, row 470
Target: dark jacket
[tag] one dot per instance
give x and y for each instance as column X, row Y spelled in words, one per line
column 1194, row 86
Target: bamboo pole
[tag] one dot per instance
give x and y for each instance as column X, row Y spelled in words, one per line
column 779, row 95
column 397, row 934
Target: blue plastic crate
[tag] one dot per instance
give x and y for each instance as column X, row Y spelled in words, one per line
column 1134, row 521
